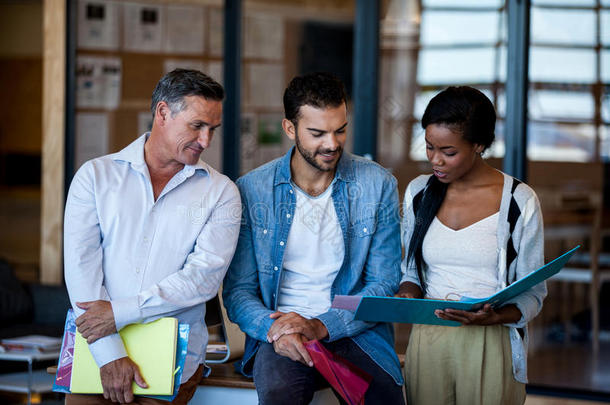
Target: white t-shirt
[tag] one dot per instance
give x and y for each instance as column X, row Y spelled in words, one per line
column 463, row 262
column 313, row 256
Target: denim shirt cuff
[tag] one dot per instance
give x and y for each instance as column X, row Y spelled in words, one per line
column 334, row 325
column 264, row 328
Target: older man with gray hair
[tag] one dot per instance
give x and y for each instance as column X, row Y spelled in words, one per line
column 149, row 232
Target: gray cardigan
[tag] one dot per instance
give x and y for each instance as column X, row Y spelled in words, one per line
column 528, row 243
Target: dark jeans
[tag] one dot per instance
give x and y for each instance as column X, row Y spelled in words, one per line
column 281, row 381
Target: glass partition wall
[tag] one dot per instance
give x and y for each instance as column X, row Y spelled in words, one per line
column 428, row 45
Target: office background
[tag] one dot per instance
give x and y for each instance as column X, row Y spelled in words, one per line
column 77, row 78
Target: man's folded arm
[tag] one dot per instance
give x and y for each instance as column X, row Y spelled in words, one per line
column 199, row 279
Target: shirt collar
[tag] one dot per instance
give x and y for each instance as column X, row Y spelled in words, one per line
column 344, row 172
column 134, row 155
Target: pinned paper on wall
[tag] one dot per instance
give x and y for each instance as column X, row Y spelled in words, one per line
column 89, row 82
column 112, row 74
column 98, row 25
column 248, row 142
column 216, row 31
column 142, row 27
column 98, row 82
column 145, row 121
column 265, row 85
column 270, row 129
column 92, row 131
column 171, row 64
column 215, row 71
column 185, row 30
column 269, row 137
column 264, row 37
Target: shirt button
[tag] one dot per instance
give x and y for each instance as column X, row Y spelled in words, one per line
column 137, row 269
column 287, row 215
column 145, row 239
column 275, row 268
column 265, row 231
column 282, row 243
column 365, row 230
column 290, row 191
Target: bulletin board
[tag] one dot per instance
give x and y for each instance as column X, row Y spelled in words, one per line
column 123, row 49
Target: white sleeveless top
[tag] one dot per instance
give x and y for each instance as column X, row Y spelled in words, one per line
column 463, row 262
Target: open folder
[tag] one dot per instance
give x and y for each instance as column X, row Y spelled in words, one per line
column 407, row 310
column 152, row 346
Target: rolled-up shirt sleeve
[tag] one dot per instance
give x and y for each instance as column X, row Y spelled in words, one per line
column 530, row 258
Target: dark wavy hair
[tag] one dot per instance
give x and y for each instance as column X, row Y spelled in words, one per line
column 319, row 89
column 466, row 111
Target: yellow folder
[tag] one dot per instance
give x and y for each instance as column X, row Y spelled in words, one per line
column 152, row 346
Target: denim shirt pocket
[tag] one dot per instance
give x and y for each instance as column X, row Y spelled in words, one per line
column 363, row 228
column 263, row 240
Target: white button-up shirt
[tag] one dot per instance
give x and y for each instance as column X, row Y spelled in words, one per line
column 149, row 258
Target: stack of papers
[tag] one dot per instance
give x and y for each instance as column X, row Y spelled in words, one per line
column 32, row 343
column 152, row 346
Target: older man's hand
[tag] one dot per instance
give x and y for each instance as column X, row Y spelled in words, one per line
column 117, row 377
column 97, row 321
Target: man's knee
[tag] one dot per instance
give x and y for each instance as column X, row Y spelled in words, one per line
column 280, row 393
column 279, row 380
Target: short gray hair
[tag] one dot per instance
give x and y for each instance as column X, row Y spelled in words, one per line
column 179, row 83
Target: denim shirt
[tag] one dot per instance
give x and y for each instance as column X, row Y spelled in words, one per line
column 365, row 198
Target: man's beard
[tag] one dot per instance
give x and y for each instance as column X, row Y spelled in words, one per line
column 311, row 158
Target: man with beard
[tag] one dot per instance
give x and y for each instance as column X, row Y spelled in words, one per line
column 316, row 222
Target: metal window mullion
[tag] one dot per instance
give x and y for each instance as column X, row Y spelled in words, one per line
column 366, row 73
column 232, row 84
column 598, row 86
column 515, row 159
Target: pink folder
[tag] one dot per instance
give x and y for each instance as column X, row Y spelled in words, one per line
column 348, row 380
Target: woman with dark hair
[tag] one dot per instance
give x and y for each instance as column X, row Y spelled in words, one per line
column 469, row 230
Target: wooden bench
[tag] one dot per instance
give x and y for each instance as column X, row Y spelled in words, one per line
column 225, row 385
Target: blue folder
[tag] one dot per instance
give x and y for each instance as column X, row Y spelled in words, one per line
column 407, row 310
